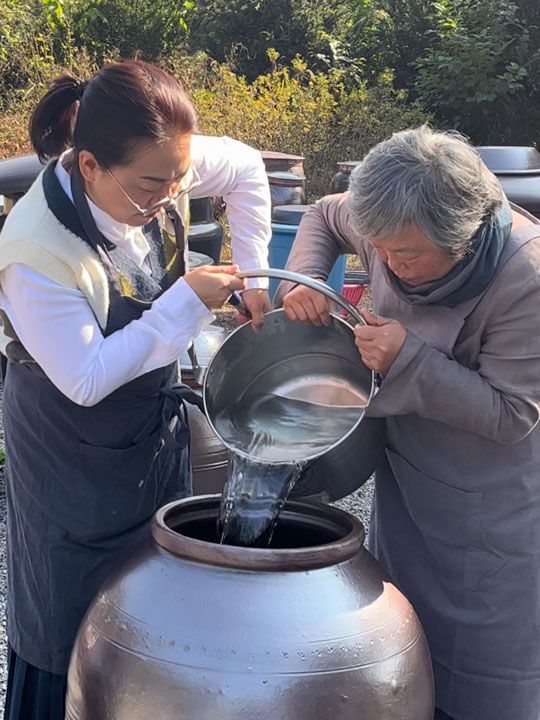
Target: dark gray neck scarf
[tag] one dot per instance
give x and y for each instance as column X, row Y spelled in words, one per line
column 472, row 274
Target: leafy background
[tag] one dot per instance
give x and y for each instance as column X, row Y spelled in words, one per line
column 324, row 80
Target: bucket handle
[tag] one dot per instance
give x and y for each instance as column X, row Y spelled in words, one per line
column 299, row 279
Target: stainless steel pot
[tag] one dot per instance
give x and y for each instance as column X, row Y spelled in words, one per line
column 287, row 355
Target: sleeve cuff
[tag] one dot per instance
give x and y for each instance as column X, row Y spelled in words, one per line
column 180, row 298
column 409, row 350
column 259, row 283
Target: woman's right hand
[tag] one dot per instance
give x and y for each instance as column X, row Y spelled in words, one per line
column 214, row 283
column 302, row 304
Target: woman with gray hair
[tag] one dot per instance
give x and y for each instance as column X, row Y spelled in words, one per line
column 455, row 274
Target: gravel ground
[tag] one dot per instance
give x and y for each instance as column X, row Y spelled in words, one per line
column 358, row 504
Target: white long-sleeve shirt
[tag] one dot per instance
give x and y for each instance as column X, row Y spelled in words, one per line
column 57, row 326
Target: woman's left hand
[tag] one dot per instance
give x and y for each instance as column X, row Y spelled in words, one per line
column 257, row 302
column 380, row 341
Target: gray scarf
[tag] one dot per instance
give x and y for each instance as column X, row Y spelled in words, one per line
column 472, row 274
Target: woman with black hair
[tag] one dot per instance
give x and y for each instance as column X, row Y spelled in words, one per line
column 97, row 303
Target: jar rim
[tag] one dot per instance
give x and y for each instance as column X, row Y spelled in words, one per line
column 348, row 530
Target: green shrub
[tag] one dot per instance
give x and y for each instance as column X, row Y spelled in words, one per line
column 287, row 109
column 298, row 111
column 25, row 47
column 146, row 28
column 482, row 73
column 245, row 30
column 389, row 36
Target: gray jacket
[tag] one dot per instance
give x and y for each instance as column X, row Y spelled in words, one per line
column 457, row 511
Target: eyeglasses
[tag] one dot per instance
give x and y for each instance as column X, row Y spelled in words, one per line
column 165, row 203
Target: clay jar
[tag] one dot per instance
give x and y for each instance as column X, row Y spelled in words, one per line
column 209, row 457
column 309, row 629
column 287, row 188
column 205, row 234
column 342, row 179
column 283, row 162
column 518, row 171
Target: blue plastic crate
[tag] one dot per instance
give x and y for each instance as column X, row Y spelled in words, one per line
column 280, row 247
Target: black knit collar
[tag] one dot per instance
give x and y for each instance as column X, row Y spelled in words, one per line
column 64, row 209
column 66, row 213
column 59, row 203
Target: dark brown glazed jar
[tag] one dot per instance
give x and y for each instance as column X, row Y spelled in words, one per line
column 518, row 171
column 209, row 457
column 287, row 188
column 205, row 234
column 341, row 180
column 283, row 162
column 309, row 629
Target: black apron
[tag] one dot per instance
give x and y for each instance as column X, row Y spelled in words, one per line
column 84, row 482
column 444, row 530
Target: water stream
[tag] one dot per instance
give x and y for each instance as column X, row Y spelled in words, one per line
column 277, row 434
column 252, row 499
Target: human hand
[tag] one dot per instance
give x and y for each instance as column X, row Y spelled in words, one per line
column 214, row 283
column 380, row 341
column 302, row 304
column 255, row 303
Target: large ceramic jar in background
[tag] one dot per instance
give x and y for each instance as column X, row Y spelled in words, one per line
column 283, row 162
column 209, row 457
column 518, row 171
column 205, row 234
column 309, row 629
column 287, row 188
column 342, row 179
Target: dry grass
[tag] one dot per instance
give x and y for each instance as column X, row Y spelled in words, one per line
column 291, row 110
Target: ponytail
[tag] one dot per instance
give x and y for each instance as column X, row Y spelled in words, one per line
column 124, row 105
column 53, row 121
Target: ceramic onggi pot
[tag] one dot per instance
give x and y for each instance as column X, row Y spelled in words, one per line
column 308, row 629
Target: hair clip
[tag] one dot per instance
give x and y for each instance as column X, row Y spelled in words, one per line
column 79, row 88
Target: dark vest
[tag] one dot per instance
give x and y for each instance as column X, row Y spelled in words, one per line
column 83, row 482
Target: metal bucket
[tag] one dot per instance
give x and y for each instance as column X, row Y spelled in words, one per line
column 305, row 359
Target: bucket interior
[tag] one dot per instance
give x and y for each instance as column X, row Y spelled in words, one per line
column 289, row 393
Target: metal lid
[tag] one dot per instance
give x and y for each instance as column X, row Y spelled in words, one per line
column 18, row 173
column 348, row 165
column 287, row 179
column 273, row 155
column 289, row 214
column 197, row 259
column 510, row 159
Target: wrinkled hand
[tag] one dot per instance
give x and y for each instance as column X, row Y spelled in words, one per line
column 214, row 283
column 302, row 304
column 256, row 302
column 380, row 341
